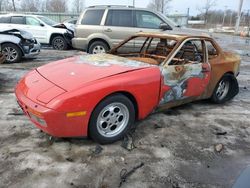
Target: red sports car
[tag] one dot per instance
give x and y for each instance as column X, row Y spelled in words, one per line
column 102, row 95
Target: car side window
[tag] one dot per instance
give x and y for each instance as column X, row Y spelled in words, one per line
column 122, row 18
column 92, row 17
column 145, row 19
column 17, row 20
column 212, row 52
column 32, row 21
column 191, row 52
column 5, row 19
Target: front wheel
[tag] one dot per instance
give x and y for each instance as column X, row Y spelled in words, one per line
column 111, row 119
column 98, row 47
column 12, row 53
column 59, row 43
column 225, row 89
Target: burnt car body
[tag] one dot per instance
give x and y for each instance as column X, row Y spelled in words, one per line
column 16, row 44
column 102, row 95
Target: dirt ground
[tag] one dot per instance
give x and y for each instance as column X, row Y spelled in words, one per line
column 174, row 148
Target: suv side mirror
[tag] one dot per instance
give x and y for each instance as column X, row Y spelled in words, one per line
column 164, row 27
column 41, row 24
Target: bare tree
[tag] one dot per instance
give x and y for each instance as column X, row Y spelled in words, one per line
column 30, row 5
column 56, row 5
column 78, row 5
column 159, row 5
column 206, row 8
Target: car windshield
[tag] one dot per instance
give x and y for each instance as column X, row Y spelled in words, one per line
column 47, row 20
column 148, row 49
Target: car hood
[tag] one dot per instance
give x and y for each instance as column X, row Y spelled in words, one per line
column 17, row 32
column 77, row 71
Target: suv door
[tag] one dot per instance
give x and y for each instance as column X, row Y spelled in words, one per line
column 38, row 30
column 119, row 25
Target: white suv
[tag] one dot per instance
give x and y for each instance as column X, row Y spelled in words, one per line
column 45, row 30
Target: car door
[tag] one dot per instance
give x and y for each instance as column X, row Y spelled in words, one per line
column 187, row 74
column 119, row 25
column 35, row 27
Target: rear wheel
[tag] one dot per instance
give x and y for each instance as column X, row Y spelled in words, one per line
column 225, row 89
column 98, row 47
column 111, row 119
column 59, row 43
column 12, row 53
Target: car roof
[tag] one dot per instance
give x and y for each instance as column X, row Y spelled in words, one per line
column 177, row 37
column 13, row 14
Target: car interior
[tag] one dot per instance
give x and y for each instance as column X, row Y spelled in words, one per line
column 153, row 50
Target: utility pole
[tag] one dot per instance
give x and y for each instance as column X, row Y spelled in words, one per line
column 237, row 25
column 14, row 6
column 223, row 21
column 162, row 6
column 133, row 3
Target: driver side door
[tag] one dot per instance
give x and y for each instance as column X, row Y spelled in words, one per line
column 186, row 74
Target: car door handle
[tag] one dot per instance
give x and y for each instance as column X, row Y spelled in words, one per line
column 108, row 30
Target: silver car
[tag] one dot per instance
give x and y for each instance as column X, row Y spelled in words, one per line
column 15, row 44
column 99, row 28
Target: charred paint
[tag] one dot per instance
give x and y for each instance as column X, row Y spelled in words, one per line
column 106, row 60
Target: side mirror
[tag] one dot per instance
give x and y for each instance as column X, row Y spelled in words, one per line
column 164, row 27
column 41, row 24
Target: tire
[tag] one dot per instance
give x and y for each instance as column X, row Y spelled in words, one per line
column 12, row 52
column 111, row 119
column 98, row 47
column 59, row 43
column 225, row 89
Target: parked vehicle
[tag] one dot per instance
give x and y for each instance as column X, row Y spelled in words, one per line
column 45, row 30
column 99, row 28
column 101, row 95
column 16, row 44
column 70, row 21
column 2, row 58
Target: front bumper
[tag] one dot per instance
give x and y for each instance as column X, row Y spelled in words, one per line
column 54, row 123
column 32, row 51
column 80, row 43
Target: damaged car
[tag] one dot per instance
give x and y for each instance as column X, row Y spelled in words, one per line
column 16, row 44
column 102, row 95
column 45, row 30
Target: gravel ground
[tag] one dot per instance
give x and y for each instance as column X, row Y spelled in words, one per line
column 175, row 148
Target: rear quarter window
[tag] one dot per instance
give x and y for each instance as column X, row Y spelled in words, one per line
column 212, row 51
column 92, row 17
column 5, row 19
column 122, row 18
column 17, row 20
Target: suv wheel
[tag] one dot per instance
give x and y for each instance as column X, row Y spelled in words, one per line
column 59, row 43
column 98, row 47
column 12, row 53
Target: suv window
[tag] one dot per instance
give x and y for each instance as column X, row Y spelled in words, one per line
column 121, row 18
column 147, row 19
column 32, row 21
column 5, row 19
column 17, row 19
column 92, row 17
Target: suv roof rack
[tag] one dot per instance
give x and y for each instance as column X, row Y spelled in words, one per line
column 107, row 6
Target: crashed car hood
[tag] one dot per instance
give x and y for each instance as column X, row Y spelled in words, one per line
column 74, row 72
